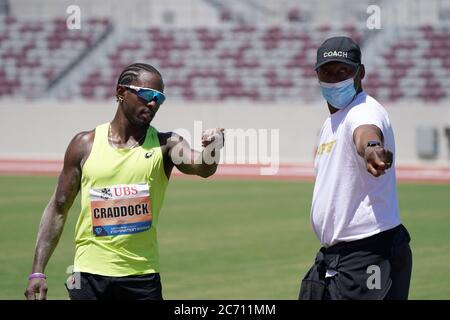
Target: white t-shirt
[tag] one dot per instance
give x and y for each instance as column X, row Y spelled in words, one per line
column 348, row 202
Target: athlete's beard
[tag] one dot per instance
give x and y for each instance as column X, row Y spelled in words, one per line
column 135, row 122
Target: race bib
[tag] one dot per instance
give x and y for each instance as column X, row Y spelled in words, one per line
column 120, row 209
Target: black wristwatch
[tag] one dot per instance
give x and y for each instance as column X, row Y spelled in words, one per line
column 373, row 143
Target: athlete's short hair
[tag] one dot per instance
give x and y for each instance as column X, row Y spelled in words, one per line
column 131, row 73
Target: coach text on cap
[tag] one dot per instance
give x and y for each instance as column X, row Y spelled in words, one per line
column 340, row 49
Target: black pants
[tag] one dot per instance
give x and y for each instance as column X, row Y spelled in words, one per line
column 86, row 286
column 378, row 267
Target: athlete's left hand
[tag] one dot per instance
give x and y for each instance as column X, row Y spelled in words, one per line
column 215, row 136
column 378, row 160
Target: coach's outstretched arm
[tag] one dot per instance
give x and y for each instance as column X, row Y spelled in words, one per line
column 190, row 161
column 54, row 216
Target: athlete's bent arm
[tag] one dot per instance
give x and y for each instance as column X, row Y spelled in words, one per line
column 190, row 161
column 54, row 216
column 378, row 159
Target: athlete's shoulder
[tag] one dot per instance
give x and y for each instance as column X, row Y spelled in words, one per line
column 83, row 138
column 80, row 147
column 87, row 137
column 164, row 136
column 169, row 138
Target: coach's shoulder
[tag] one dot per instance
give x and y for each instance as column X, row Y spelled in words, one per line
column 368, row 105
column 372, row 100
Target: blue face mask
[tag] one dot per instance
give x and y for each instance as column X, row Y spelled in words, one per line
column 339, row 94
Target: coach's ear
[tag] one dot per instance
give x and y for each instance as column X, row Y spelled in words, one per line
column 359, row 76
column 362, row 72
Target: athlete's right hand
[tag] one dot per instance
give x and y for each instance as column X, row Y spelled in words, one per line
column 36, row 289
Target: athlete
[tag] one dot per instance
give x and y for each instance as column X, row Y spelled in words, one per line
column 365, row 250
column 122, row 170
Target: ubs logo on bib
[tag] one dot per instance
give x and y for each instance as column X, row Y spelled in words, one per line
column 106, row 193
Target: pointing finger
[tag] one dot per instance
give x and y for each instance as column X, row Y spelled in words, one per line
column 372, row 170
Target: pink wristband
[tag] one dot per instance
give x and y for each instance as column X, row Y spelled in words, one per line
column 37, row 275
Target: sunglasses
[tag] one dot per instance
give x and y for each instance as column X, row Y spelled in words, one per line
column 147, row 94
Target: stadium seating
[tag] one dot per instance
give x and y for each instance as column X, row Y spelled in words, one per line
column 415, row 65
column 272, row 64
column 33, row 54
column 233, row 62
column 212, row 64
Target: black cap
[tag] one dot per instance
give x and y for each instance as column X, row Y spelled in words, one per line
column 341, row 49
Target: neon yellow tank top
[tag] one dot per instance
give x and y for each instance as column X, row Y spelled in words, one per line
column 122, row 192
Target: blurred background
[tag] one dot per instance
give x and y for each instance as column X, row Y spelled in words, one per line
column 238, row 64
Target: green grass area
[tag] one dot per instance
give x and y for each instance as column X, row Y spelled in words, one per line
column 224, row 239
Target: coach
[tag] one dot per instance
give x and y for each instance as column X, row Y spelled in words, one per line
column 365, row 250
